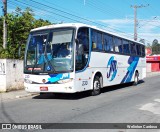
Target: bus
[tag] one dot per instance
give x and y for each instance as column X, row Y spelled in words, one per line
column 75, row 57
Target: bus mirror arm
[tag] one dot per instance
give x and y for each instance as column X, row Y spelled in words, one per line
column 77, row 41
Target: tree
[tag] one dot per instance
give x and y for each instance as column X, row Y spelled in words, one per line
column 155, row 42
column 1, row 30
column 19, row 25
column 155, row 47
column 142, row 41
column 149, row 45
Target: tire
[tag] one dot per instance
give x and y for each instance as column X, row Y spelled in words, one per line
column 136, row 79
column 96, row 86
column 41, row 93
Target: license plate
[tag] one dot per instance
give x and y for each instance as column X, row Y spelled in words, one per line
column 43, row 88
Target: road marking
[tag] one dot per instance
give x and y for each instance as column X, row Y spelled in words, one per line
column 152, row 107
column 26, row 95
column 157, row 100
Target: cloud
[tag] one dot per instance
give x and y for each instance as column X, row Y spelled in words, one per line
column 117, row 21
column 149, row 25
column 149, row 37
column 148, row 29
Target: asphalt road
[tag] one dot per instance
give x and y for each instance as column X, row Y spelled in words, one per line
column 116, row 104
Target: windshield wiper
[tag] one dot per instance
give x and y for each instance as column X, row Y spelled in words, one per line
column 36, row 62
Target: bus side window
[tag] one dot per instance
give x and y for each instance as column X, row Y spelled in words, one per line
column 94, row 45
column 96, row 40
column 82, row 48
column 133, row 48
column 118, row 45
column 138, row 49
column 108, row 43
column 143, row 51
column 126, row 47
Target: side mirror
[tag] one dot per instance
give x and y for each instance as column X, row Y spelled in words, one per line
column 80, row 49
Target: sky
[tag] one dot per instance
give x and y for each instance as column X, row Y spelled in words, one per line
column 113, row 15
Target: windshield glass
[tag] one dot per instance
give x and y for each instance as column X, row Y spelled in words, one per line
column 50, row 52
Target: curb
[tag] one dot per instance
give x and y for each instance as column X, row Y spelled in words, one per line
column 151, row 74
column 26, row 95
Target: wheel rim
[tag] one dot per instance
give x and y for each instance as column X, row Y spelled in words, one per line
column 96, row 85
column 136, row 79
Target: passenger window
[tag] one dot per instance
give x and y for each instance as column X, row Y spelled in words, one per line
column 143, row 51
column 138, row 49
column 108, row 43
column 126, row 47
column 118, row 45
column 83, row 37
column 96, row 40
column 133, row 48
column 82, row 48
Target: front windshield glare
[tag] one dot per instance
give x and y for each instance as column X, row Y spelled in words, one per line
column 52, row 52
column 36, row 48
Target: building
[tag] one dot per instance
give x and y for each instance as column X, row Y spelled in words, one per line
column 153, row 63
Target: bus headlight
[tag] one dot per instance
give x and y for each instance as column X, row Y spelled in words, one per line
column 65, row 81
column 27, row 81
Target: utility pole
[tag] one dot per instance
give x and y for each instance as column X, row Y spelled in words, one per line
column 4, row 24
column 135, row 19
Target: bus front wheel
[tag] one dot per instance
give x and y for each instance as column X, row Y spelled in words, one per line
column 96, row 86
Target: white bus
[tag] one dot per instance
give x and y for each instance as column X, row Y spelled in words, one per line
column 69, row 58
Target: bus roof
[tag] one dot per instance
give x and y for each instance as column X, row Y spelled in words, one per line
column 78, row 25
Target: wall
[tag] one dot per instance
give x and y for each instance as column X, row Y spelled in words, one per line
column 11, row 74
column 153, row 63
column 2, row 74
column 148, row 67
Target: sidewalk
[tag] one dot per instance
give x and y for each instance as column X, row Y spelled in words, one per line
column 22, row 93
column 150, row 74
column 15, row 95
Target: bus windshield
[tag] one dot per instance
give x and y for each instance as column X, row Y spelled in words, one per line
column 50, row 51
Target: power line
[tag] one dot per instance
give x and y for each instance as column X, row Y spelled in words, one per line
column 149, row 22
column 72, row 15
column 49, row 11
column 53, row 4
column 102, row 7
column 84, row 19
column 11, row 3
column 153, row 9
column 79, row 14
column 69, row 18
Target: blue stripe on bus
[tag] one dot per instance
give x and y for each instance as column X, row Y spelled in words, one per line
column 133, row 61
column 56, row 77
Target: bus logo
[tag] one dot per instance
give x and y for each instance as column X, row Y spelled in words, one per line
column 65, row 76
column 111, row 68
